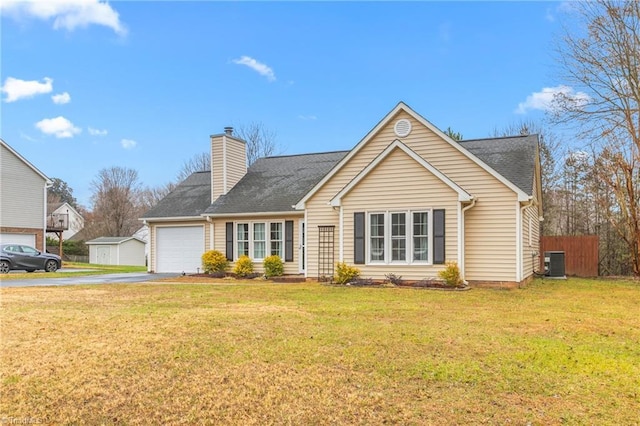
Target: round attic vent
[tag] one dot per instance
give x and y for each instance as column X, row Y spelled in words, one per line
column 402, row 128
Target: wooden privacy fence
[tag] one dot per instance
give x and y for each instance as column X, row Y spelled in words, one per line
column 580, row 253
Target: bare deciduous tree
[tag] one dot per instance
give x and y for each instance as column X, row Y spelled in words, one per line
column 150, row 196
column 115, row 202
column 198, row 163
column 603, row 65
column 261, row 141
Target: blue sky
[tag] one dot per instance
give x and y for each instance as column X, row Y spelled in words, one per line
column 88, row 85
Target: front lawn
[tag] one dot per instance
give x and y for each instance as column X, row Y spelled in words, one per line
column 227, row 352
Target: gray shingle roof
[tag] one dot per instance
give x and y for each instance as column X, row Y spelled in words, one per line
column 112, row 240
column 190, row 198
column 513, row 157
column 275, row 184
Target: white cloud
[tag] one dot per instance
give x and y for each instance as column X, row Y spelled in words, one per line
column 307, row 117
column 259, row 67
column 128, row 143
column 544, row 99
column 66, row 14
column 61, row 98
column 60, row 127
column 97, row 132
column 549, row 16
column 21, row 89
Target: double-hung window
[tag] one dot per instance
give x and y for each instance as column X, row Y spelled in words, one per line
column 276, row 238
column 420, row 237
column 259, row 241
column 243, row 239
column 377, row 228
column 399, row 237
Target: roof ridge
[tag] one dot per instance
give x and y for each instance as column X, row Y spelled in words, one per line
column 498, row 137
column 305, row 153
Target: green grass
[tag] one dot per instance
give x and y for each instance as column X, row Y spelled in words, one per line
column 88, row 269
column 227, row 352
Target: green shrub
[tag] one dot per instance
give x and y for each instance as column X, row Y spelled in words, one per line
column 273, row 266
column 69, row 247
column 451, row 274
column 214, row 261
column 244, row 266
column 346, row 273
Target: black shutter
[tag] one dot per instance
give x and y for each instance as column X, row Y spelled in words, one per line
column 229, row 240
column 438, row 236
column 358, row 238
column 288, row 241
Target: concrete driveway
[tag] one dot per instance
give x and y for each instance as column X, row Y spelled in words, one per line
column 51, row 280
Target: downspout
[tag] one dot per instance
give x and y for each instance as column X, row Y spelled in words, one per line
column 147, row 256
column 211, row 230
column 341, row 235
column 520, row 260
column 461, row 236
column 47, row 184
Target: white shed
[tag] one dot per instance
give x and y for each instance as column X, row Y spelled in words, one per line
column 117, row 251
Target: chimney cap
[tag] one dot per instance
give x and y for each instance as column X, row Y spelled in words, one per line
column 228, row 130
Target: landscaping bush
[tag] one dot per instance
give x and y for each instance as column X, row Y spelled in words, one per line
column 214, row 261
column 273, row 266
column 392, row 278
column 244, row 266
column 346, row 273
column 451, row 274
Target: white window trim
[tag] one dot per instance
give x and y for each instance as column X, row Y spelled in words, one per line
column 267, row 240
column 408, row 237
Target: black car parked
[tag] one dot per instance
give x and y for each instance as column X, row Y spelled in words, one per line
column 21, row 257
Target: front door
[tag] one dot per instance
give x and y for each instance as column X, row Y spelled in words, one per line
column 302, row 255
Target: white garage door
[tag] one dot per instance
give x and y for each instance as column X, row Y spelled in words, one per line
column 179, row 248
column 26, row 239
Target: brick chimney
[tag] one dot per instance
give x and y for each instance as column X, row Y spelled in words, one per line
column 228, row 162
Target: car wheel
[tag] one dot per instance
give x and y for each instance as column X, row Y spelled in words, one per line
column 51, row 266
column 4, row 267
column 30, row 270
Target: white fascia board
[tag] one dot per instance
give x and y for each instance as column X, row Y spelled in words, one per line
column 151, row 220
column 259, row 214
column 463, row 195
column 47, row 181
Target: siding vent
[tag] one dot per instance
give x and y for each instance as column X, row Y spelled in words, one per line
column 402, row 128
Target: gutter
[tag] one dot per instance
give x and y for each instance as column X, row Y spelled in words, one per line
column 461, row 236
column 520, row 260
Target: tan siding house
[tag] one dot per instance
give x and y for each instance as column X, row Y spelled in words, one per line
column 405, row 200
column 23, row 199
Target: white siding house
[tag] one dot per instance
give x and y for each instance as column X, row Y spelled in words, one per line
column 23, row 199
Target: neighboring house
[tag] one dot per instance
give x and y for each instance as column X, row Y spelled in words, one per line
column 143, row 234
column 64, row 217
column 117, row 251
column 23, row 200
column 406, row 199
